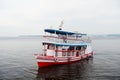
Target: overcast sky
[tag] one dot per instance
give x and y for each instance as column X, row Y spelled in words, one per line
column 31, row 17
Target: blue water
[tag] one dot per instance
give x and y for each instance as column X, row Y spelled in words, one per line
column 17, row 62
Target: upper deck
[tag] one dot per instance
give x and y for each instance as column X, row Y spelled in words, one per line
column 61, row 36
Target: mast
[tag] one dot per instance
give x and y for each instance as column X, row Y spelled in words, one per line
column 61, row 24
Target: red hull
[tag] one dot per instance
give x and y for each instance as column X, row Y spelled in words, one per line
column 45, row 64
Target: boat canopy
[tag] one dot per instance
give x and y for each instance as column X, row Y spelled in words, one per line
column 63, row 32
column 58, row 32
column 80, row 44
column 66, row 44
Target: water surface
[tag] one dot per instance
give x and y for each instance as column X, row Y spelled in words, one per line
column 17, row 62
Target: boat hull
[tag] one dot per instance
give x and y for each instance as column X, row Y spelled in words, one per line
column 44, row 62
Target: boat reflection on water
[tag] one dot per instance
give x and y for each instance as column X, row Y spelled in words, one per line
column 78, row 70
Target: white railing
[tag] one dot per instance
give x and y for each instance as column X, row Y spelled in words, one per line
column 62, row 40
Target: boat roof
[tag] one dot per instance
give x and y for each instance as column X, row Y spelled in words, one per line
column 53, row 31
column 67, row 44
column 59, row 32
column 80, row 44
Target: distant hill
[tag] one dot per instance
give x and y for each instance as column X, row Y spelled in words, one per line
column 114, row 35
column 105, row 36
column 32, row 36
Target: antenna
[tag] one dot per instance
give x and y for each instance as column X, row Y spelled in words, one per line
column 61, row 24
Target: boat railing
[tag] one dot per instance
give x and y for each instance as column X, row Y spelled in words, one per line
column 64, row 40
column 66, row 53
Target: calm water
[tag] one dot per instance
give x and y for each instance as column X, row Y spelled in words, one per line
column 18, row 63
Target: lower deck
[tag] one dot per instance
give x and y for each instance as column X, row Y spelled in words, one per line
column 44, row 61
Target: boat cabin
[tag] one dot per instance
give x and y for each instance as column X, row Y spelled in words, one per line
column 60, row 43
column 62, row 50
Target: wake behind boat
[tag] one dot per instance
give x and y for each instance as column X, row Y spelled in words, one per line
column 63, row 47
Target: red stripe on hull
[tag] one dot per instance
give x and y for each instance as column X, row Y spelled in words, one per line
column 45, row 64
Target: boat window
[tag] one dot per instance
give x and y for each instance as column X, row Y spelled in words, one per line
column 63, row 52
column 44, row 44
column 82, row 48
column 68, row 53
column 78, row 47
column 50, row 46
column 71, row 48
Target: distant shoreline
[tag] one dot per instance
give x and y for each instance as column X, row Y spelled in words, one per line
column 108, row 36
